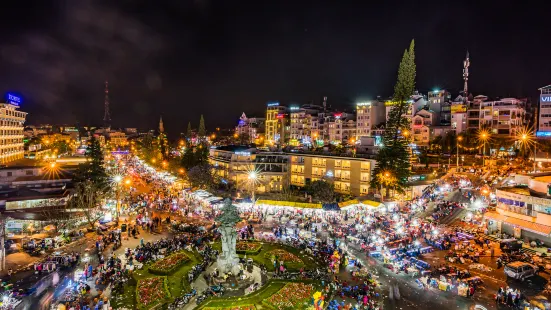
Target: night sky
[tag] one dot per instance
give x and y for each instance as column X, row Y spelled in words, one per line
column 180, row 59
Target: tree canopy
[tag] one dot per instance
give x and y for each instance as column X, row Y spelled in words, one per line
column 393, row 158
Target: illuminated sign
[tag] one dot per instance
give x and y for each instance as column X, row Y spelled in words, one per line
column 363, row 104
column 545, row 98
column 543, row 134
column 273, row 104
column 13, row 99
column 243, row 153
column 337, row 115
column 294, row 108
column 280, row 116
column 458, row 108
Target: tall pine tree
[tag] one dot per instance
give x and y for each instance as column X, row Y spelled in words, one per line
column 189, row 132
column 202, row 132
column 393, row 164
column 93, row 170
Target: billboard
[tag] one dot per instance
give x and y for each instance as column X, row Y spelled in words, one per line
column 458, row 108
column 545, row 98
column 13, row 99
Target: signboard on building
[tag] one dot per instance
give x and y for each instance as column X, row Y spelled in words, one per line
column 458, row 108
column 13, row 99
column 14, row 225
column 545, row 98
column 35, row 203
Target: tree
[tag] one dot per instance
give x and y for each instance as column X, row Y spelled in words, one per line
column 202, row 132
column 322, row 191
column 393, row 157
column 60, row 217
column 189, row 132
column 146, row 147
column 61, row 146
column 202, row 154
column 201, row 176
column 162, row 142
column 188, row 159
column 93, row 170
column 87, row 200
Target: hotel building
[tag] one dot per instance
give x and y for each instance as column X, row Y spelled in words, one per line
column 11, row 132
column 234, row 164
column 350, row 175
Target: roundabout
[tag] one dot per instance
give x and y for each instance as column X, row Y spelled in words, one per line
column 219, row 272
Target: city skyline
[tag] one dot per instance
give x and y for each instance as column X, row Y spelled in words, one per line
column 217, row 64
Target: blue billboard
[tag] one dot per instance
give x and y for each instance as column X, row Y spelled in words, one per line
column 545, row 98
column 13, row 99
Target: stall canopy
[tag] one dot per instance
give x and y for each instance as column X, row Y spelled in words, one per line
column 292, row 204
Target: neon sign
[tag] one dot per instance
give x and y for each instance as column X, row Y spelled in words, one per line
column 273, row 104
column 13, row 99
column 363, row 104
column 294, row 108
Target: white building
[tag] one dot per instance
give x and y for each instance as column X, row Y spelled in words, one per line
column 544, row 112
column 11, row 130
column 342, row 128
column 368, row 115
column 503, row 117
column 301, row 123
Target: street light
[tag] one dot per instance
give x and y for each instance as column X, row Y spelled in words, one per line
column 253, row 177
column 484, row 136
column 525, row 137
column 117, row 180
column 459, row 138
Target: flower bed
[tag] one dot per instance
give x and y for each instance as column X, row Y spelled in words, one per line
column 250, row 248
column 292, row 296
column 151, row 292
column 282, row 255
column 169, row 264
column 245, row 307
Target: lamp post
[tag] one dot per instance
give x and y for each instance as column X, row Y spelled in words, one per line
column 459, row 138
column 484, row 136
column 118, row 180
column 253, row 176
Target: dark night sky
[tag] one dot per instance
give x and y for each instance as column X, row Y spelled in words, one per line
column 220, row 58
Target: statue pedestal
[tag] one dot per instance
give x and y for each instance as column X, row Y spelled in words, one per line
column 229, row 264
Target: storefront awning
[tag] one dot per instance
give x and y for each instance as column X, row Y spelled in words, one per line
column 526, row 225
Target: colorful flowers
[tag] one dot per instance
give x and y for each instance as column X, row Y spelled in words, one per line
column 169, row 264
column 282, row 255
column 291, row 296
column 245, row 307
column 151, row 291
column 248, row 247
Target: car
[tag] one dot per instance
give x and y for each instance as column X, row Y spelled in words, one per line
column 520, row 270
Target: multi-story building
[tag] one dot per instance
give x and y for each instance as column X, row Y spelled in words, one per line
column 11, row 130
column 503, row 117
column 276, row 123
column 250, row 126
column 235, row 164
column 438, row 101
column 458, row 111
column 301, row 123
column 544, row 112
column 368, row 115
column 342, row 128
column 350, row 175
column 523, row 211
column 117, row 138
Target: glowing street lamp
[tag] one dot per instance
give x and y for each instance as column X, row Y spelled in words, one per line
column 483, row 136
column 459, row 139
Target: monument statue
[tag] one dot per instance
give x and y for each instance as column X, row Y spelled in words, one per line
column 228, row 261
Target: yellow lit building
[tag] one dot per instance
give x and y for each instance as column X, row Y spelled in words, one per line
column 275, row 124
column 118, row 138
column 11, row 132
column 350, row 175
column 235, row 164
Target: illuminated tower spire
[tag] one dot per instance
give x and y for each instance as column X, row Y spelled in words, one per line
column 107, row 114
column 466, row 64
column 161, row 125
